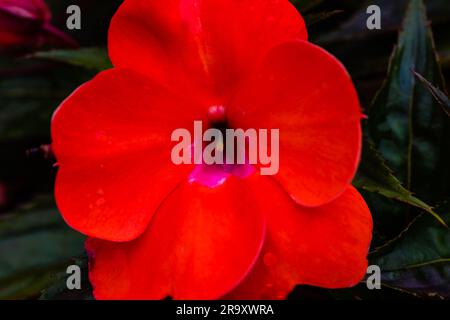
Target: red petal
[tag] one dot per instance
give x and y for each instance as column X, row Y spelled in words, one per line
column 112, row 142
column 200, row 245
column 324, row 246
column 200, row 44
column 307, row 94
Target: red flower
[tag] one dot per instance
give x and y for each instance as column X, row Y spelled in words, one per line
column 153, row 231
column 25, row 24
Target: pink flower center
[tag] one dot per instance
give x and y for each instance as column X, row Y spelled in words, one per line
column 215, row 175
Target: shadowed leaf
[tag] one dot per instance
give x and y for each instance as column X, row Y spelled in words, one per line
column 418, row 260
column 90, row 58
column 35, row 244
column 314, row 18
column 407, row 126
column 440, row 96
column 375, row 176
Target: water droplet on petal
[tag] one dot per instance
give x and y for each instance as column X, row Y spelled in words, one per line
column 100, row 202
column 269, row 259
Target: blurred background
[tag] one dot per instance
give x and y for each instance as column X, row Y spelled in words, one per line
column 36, row 246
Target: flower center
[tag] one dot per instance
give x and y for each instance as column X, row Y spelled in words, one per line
column 213, row 175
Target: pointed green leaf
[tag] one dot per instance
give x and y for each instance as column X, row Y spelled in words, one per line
column 89, row 58
column 418, row 260
column 440, row 96
column 408, row 127
column 375, row 176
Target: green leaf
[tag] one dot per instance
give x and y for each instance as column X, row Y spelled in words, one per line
column 375, row 176
column 35, row 244
column 89, row 58
column 418, row 260
column 440, row 96
column 423, row 281
column 407, row 126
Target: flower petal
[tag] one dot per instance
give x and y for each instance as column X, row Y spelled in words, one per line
column 324, row 246
column 200, row 245
column 200, row 44
column 307, row 94
column 112, row 142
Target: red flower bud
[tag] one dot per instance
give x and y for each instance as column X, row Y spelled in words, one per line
column 25, row 25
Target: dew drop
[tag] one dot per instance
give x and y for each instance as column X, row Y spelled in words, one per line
column 269, row 259
column 100, row 202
